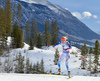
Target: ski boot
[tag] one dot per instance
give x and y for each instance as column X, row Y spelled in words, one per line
column 59, row 70
column 69, row 74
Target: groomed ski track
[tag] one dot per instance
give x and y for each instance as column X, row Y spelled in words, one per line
column 44, row 77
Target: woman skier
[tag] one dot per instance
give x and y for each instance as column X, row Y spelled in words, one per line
column 65, row 55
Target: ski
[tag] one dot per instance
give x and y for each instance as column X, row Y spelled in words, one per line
column 69, row 77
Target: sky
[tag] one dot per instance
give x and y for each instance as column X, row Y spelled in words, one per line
column 87, row 11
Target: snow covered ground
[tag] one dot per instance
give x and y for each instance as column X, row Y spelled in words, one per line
column 47, row 53
column 44, row 77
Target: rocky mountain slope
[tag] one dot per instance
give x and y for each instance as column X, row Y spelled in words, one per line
column 43, row 9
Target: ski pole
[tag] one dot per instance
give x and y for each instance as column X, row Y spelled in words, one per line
column 80, row 57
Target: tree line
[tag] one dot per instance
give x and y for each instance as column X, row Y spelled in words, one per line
column 93, row 58
column 11, row 25
column 20, row 64
column 46, row 38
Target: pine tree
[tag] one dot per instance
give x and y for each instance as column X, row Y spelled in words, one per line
column 27, row 31
column 90, row 50
column 34, row 68
column 43, row 39
column 1, row 51
column 22, row 65
column 17, row 36
column 35, row 33
column 13, row 14
column 32, row 35
column 37, row 67
column 47, row 33
column 8, row 17
column 90, row 59
column 42, row 66
column 32, row 29
column 96, row 56
column 56, row 57
column 0, row 3
column 19, row 68
column 21, row 39
column 19, row 17
column 84, row 52
column 31, row 44
column 30, row 68
column 8, row 66
column 39, row 41
column 19, row 14
column 27, row 65
column 54, row 32
column 2, row 29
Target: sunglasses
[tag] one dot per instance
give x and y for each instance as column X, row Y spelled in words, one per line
column 62, row 41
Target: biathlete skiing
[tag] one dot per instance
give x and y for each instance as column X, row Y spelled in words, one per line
column 65, row 55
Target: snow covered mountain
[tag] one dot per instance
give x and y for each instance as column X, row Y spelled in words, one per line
column 43, row 2
column 43, row 9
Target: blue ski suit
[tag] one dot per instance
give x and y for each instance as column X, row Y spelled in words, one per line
column 65, row 55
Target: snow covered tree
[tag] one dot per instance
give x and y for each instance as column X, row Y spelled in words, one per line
column 38, row 67
column 27, row 65
column 8, row 66
column 90, row 59
column 31, row 69
column 56, row 57
column 96, row 56
column 42, row 66
column 84, row 52
column 34, row 68
column 19, row 67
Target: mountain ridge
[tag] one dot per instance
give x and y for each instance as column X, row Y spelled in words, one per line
column 77, row 30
